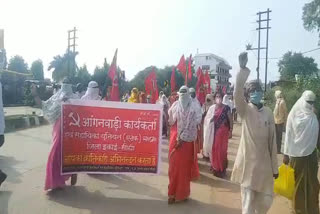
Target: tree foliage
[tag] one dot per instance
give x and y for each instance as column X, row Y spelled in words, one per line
column 292, row 91
column 63, row 66
column 295, row 63
column 163, row 75
column 83, row 75
column 311, row 16
column 13, row 85
column 18, row 64
column 37, row 70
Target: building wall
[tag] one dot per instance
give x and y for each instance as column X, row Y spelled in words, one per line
column 218, row 68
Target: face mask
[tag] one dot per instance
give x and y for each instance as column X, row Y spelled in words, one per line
column 307, row 106
column 184, row 99
column 218, row 100
column 208, row 100
column 256, row 97
column 193, row 95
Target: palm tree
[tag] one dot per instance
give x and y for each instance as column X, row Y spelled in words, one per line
column 63, row 66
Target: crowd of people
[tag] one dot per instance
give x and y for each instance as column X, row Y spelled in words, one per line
column 194, row 128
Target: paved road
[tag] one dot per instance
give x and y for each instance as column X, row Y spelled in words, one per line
column 23, row 158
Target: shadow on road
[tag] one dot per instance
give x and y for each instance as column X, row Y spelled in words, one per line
column 4, row 200
column 127, row 183
column 7, row 166
column 80, row 198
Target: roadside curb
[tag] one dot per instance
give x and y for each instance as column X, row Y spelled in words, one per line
column 19, row 122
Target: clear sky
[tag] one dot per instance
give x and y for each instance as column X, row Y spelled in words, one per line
column 151, row 32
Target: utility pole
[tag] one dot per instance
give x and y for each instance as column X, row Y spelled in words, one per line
column 72, row 38
column 267, row 49
column 260, row 21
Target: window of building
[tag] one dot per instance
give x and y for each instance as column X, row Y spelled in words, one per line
column 205, row 67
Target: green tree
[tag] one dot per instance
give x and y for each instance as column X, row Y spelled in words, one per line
column 311, row 16
column 63, row 67
column 83, row 75
column 37, row 70
column 18, row 64
column 100, row 75
column 163, row 75
column 295, row 63
column 13, row 84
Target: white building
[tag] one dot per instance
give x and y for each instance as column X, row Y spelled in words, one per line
column 219, row 69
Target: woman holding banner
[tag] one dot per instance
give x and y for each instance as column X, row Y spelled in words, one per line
column 52, row 112
column 184, row 118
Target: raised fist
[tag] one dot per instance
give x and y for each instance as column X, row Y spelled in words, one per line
column 243, row 59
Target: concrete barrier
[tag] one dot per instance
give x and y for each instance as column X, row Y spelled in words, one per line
column 18, row 122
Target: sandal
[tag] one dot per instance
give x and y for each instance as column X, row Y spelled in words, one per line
column 171, row 200
column 74, row 179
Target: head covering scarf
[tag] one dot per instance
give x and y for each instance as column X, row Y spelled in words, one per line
column 92, row 92
column 134, row 98
column 302, row 128
column 211, row 98
column 226, row 101
column 278, row 94
column 52, row 107
column 184, row 97
column 192, row 90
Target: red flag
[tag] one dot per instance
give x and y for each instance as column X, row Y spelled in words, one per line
column 217, row 88
column 182, row 66
column 114, row 95
column 200, row 93
column 151, row 86
column 224, row 89
column 173, row 79
column 198, row 72
column 200, row 80
column 207, row 82
column 113, row 67
column 189, row 68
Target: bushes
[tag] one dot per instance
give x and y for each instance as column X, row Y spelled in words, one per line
column 292, row 91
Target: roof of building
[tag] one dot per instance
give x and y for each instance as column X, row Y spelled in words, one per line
column 215, row 56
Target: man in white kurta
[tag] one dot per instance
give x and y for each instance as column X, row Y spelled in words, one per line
column 256, row 162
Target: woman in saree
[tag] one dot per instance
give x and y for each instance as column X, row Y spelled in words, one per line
column 206, row 126
column 223, row 126
column 184, row 118
column 52, row 112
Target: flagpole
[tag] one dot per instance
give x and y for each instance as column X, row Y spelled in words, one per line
column 186, row 77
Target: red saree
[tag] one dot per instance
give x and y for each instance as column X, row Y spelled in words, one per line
column 219, row 160
column 183, row 167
